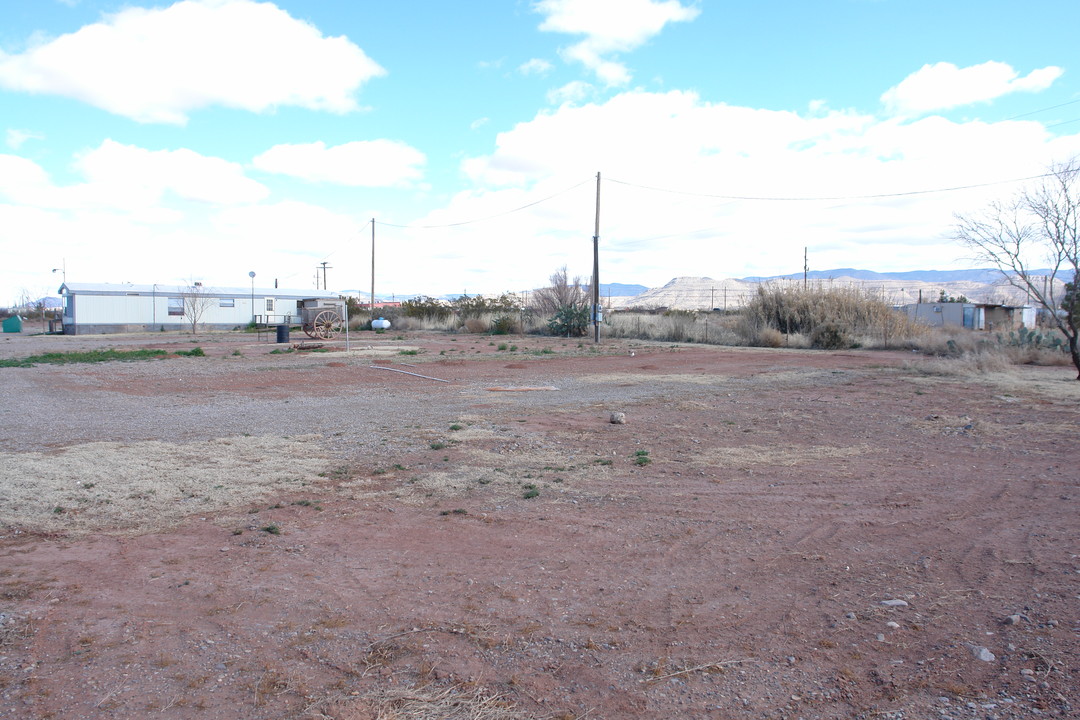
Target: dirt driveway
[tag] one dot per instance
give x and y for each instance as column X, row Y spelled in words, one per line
column 770, row 534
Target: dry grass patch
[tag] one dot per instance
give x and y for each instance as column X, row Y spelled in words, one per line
column 1017, row 381
column 643, row 379
column 461, row 702
column 775, row 456
column 148, row 486
column 429, row 702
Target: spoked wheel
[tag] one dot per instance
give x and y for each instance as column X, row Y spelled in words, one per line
column 326, row 325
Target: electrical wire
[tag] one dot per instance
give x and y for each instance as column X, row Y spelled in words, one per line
column 489, row 217
column 1036, row 112
column 832, row 198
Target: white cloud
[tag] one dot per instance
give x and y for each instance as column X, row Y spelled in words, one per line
column 16, row 137
column 572, row 92
column 703, row 151
column 479, row 123
column 158, row 65
column 535, row 66
column 119, row 169
column 942, row 86
column 610, row 27
column 130, row 179
column 284, row 225
column 368, row 163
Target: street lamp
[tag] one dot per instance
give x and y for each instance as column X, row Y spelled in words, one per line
column 63, row 271
column 252, row 276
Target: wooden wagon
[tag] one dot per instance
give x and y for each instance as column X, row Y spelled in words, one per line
column 321, row 318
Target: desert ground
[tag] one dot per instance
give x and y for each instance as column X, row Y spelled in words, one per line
column 451, row 526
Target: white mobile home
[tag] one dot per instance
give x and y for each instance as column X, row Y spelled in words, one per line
column 93, row 308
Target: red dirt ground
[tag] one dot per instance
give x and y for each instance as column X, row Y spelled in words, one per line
column 737, row 569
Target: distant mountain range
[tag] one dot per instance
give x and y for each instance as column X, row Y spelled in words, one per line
column 700, row 292
column 981, row 275
column 620, row 290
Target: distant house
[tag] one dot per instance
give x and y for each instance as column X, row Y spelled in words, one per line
column 974, row 316
column 94, row 308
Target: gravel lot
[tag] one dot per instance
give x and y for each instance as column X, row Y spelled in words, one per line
column 772, row 533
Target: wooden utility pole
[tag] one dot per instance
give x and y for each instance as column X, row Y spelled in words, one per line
column 805, row 268
column 324, row 285
column 596, row 267
column 373, row 269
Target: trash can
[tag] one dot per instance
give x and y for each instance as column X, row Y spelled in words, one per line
column 13, row 324
column 283, row 333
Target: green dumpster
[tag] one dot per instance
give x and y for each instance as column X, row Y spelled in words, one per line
column 13, row 324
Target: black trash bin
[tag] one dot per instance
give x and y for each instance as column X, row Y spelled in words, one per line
column 283, row 333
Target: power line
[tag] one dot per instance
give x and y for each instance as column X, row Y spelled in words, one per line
column 836, row 197
column 1065, row 122
column 489, row 217
column 1036, row 112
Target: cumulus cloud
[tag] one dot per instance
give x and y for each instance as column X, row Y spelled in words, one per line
column 943, row 86
column 719, row 164
column 117, row 169
column 131, row 179
column 610, row 27
column 368, row 163
column 158, row 65
column 535, row 66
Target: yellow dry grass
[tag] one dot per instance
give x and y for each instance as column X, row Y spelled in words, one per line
column 430, row 702
column 750, row 455
column 146, row 486
column 1015, row 381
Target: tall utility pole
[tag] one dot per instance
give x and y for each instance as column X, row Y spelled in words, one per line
column 324, row 285
column 596, row 267
column 373, row 269
column 805, row 267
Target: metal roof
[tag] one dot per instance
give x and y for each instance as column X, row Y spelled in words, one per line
column 73, row 288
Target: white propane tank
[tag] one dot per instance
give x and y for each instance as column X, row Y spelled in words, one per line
column 380, row 324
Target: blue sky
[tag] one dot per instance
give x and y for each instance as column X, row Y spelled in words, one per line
column 203, row 139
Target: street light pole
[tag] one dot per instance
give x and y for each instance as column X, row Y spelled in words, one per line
column 252, row 276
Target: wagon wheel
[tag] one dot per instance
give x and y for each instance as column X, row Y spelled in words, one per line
column 326, row 325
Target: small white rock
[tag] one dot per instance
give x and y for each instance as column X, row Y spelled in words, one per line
column 983, row 654
column 894, row 603
column 892, row 625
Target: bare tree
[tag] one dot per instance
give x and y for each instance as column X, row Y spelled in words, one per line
column 196, row 301
column 562, row 293
column 1038, row 226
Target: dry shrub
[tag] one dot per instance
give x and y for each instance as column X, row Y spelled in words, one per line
column 980, row 353
column 967, row 364
column 767, row 337
column 476, row 325
column 830, row 317
column 1036, row 356
column 14, row 629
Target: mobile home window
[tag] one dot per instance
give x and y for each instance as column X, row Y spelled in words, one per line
column 227, row 302
column 176, row 306
column 269, row 305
